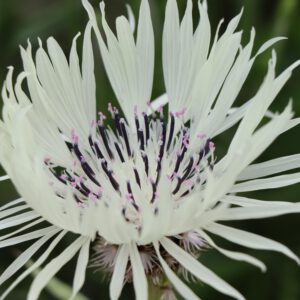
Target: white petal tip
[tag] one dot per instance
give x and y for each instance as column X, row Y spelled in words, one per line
column 102, row 6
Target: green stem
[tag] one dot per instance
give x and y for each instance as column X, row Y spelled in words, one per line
column 154, row 291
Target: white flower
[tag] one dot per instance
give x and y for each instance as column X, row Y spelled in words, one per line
column 149, row 191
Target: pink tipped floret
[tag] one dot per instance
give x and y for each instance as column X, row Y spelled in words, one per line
column 181, row 112
column 47, row 160
column 186, row 141
column 202, row 136
column 92, row 197
column 102, row 117
column 211, row 145
column 74, row 136
column 63, row 177
column 160, row 109
column 128, row 197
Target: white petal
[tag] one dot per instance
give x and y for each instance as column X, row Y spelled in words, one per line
column 12, row 211
column 145, row 51
column 36, row 264
column 241, row 154
column 27, row 237
column 3, row 237
column 234, row 255
column 57, row 88
column 212, row 75
column 250, row 202
column 270, row 167
column 292, row 123
column 88, row 77
column 266, row 183
column 198, row 270
column 231, row 88
column 81, row 266
column 202, row 36
column 117, row 280
column 259, row 212
column 21, row 260
column 17, row 220
column 129, row 65
column 264, row 136
column 171, row 47
column 75, row 73
column 3, row 178
column 157, row 103
column 269, row 44
column 263, row 99
column 131, row 17
column 53, row 267
column 12, row 203
column 250, row 240
column 139, row 277
column 233, row 118
column 234, row 82
column 182, row 288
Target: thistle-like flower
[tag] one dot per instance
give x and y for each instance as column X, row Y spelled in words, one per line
column 149, row 190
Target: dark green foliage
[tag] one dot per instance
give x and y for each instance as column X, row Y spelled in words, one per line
column 62, row 19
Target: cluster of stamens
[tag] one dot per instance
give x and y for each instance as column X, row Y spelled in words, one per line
column 108, row 149
column 105, row 254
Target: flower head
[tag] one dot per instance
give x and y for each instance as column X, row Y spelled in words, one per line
column 148, row 191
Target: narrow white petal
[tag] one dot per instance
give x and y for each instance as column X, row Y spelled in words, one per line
column 269, row 44
column 12, row 203
column 158, row 102
column 53, row 267
column 243, row 152
column 233, row 118
column 3, row 178
column 88, row 77
column 11, row 211
column 197, row 269
column 75, row 74
column 181, row 287
column 17, row 220
column 250, row 240
column 270, row 167
column 211, row 77
column 129, row 64
column 259, row 212
column 145, row 53
column 292, row 123
column 131, row 17
column 36, row 264
column 27, row 237
column 234, row 255
column 117, row 280
column 264, row 136
column 250, row 202
column 261, row 101
column 266, row 183
column 21, row 260
column 171, row 47
column 81, row 266
column 202, row 36
column 231, row 87
column 3, row 237
column 139, row 277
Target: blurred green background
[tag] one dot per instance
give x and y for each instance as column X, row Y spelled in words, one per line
column 22, row 19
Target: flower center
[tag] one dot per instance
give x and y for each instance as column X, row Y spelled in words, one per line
column 154, row 161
